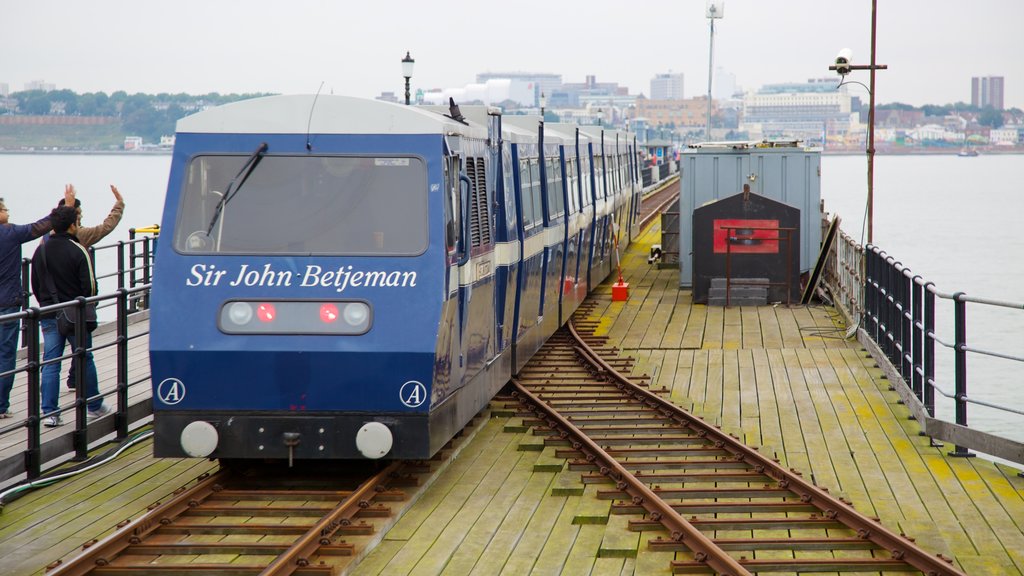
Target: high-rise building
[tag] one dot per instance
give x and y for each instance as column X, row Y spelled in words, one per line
column 667, row 87
column 987, row 91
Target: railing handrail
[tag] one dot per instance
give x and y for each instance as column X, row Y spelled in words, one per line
column 894, row 313
column 133, row 274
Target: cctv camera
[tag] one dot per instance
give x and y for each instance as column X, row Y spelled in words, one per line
column 843, row 60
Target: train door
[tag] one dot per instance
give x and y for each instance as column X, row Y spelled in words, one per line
column 476, row 274
column 507, row 245
column 448, row 372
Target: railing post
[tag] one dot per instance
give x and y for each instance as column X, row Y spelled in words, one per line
column 131, row 265
column 917, row 369
column 869, row 291
column 80, row 437
column 886, row 306
column 120, row 264
column 145, row 269
column 906, row 340
column 121, row 416
column 929, row 349
column 25, row 289
column 960, row 366
column 33, row 453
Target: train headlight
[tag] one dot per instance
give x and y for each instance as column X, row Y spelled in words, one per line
column 240, row 313
column 199, row 439
column 356, row 314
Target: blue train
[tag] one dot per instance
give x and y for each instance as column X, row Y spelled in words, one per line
column 341, row 278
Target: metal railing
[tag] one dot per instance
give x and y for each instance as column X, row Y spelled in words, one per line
column 894, row 312
column 134, row 265
column 123, row 306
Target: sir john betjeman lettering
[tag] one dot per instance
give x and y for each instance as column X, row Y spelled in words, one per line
column 313, row 276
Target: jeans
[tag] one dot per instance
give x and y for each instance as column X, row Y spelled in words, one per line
column 53, row 347
column 8, row 353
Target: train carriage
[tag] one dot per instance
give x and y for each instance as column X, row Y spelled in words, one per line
column 348, row 278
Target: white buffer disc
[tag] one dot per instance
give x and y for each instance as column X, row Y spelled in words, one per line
column 374, row 440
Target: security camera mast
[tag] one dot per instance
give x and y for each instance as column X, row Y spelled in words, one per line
column 843, row 67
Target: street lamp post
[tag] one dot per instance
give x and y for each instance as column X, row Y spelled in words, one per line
column 543, row 103
column 844, row 67
column 716, row 10
column 407, row 64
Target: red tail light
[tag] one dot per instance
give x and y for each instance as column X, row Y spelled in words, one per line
column 328, row 313
column 266, row 312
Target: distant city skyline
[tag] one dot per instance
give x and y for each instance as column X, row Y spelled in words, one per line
column 933, row 49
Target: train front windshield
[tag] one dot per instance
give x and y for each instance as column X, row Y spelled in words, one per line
column 339, row 205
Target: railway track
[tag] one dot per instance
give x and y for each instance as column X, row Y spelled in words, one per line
column 724, row 507
column 254, row 521
column 658, row 201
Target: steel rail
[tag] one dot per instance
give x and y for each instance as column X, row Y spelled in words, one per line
column 99, row 554
column 831, row 507
column 203, row 500
column 672, row 196
column 298, row 556
column 901, row 549
column 711, row 556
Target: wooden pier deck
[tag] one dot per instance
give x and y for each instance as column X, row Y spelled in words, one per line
column 782, row 378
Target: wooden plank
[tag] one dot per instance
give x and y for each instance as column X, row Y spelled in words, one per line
column 617, row 540
column 532, row 538
column 444, row 532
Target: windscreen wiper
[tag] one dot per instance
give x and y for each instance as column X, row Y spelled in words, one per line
column 240, row 178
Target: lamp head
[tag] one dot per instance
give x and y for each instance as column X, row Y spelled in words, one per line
column 407, row 64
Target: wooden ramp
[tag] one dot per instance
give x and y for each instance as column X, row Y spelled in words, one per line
column 782, row 378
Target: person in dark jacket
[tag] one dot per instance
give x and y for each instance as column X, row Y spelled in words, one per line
column 12, row 236
column 89, row 236
column 62, row 271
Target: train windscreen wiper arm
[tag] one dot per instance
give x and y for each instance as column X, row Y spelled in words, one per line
column 240, row 178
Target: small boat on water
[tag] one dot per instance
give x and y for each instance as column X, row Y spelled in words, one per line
column 967, row 152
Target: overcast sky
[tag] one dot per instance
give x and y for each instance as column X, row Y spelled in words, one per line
column 932, row 47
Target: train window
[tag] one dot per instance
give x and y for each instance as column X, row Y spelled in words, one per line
column 573, row 185
column 586, row 185
column 536, row 191
column 556, row 204
column 453, row 204
column 510, row 187
column 305, row 205
column 526, row 193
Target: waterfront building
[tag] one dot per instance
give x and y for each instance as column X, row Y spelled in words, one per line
column 812, row 111
column 667, row 87
column 132, row 142
column 1009, row 135
column 5, row 90
column 683, row 115
column 987, row 91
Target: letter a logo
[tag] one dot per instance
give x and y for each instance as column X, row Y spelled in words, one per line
column 412, row 394
column 171, row 391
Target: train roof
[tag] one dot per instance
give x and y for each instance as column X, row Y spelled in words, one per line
column 323, row 114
